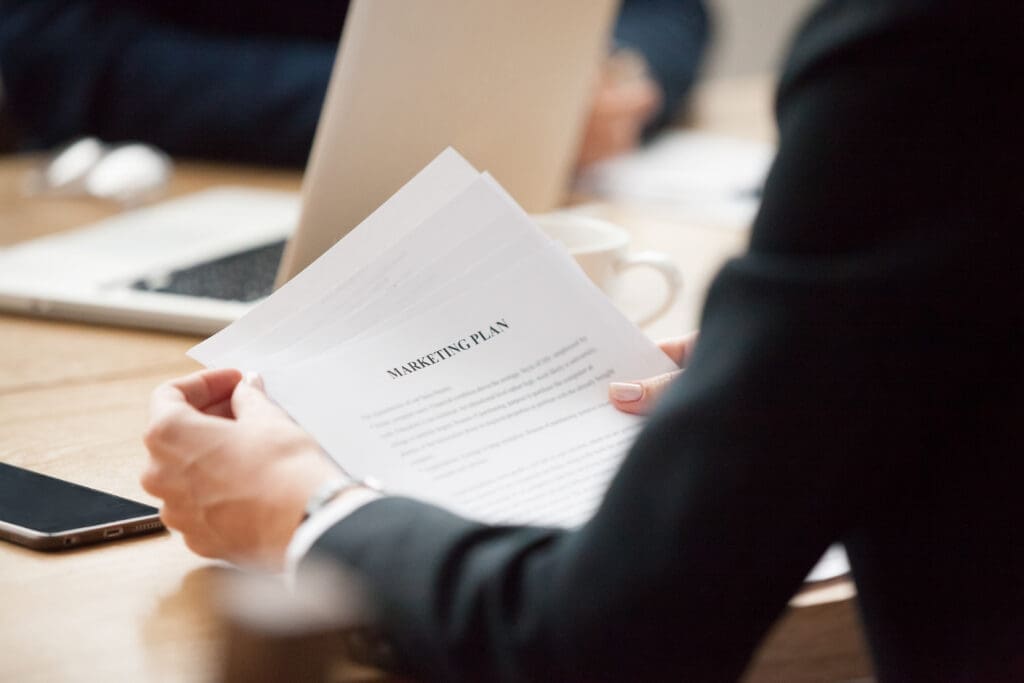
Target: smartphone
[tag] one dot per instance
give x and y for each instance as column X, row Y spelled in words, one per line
column 46, row 513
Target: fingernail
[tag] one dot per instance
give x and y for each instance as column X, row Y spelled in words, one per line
column 254, row 380
column 627, row 392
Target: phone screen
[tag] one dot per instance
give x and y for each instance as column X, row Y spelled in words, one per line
column 49, row 505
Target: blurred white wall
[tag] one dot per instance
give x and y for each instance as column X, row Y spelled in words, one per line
column 751, row 36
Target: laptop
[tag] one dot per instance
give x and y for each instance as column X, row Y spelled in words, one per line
column 507, row 84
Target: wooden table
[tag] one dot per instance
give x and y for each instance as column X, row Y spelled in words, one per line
column 73, row 401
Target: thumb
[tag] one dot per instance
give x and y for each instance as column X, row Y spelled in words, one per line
column 640, row 397
column 249, row 401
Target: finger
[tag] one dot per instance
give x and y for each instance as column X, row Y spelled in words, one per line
column 178, row 519
column 250, row 402
column 606, row 139
column 175, row 427
column 632, row 100
column 646, row 97
column 165, row 479
column 222, row 409
column 679, row 349
column 174, row 408
column 191, row 393
column 207, row 387
column 639, row 398
column 153, row 481
column 202, row 546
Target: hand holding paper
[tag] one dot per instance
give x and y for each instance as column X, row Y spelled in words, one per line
column 446, row 348
column 475, row 353
column 204, row 430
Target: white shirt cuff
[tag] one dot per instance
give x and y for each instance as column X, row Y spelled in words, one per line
column 310, row 531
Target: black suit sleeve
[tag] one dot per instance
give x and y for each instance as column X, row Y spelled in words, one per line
column 831, row 370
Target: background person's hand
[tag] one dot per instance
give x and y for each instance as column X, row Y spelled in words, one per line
column 234, row 471
column 639, row 397
column 625, row 100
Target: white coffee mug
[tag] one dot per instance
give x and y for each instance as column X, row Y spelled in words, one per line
column 602, row 250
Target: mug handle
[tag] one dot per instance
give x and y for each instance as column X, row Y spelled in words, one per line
column 668, row 269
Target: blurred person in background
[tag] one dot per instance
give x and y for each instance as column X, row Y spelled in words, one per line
column 245, row 81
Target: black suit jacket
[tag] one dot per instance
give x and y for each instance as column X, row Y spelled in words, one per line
column 859, row 378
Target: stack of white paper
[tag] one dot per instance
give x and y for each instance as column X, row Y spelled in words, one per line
column 686, row 174
column 449, row 349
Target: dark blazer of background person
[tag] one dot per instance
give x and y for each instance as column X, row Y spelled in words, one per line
column 859, row 378
column 242, row 80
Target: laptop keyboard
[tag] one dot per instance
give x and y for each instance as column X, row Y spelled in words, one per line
column 242, row 276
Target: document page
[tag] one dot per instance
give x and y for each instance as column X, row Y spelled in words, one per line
column 487, row 404
column 429, row 190
column 472, row 230
column 454, row 353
